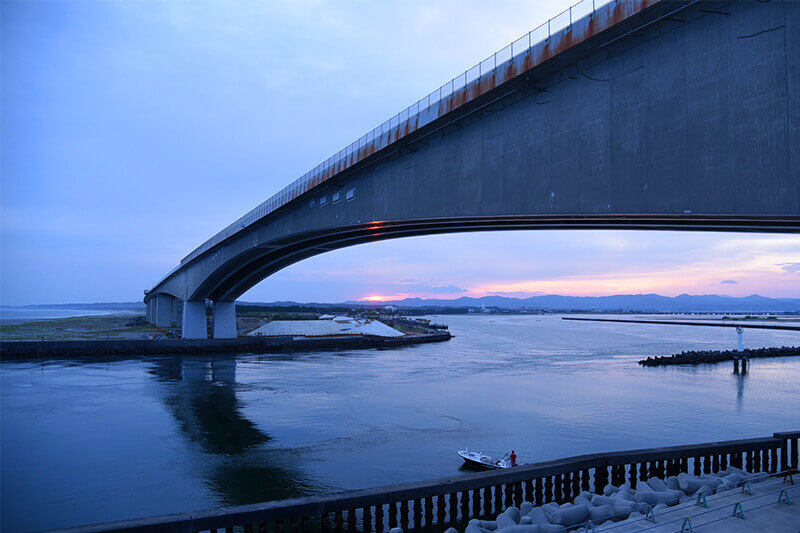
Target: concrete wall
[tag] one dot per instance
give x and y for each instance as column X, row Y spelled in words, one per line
column 697, row 114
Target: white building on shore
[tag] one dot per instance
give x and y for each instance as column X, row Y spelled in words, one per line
column 325, row 327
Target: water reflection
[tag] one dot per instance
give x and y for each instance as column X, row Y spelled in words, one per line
column 200, row 394
column 205, row 404
column 740, row 376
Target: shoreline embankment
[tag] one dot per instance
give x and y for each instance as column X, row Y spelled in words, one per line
column 16, row 350
column 701, row 357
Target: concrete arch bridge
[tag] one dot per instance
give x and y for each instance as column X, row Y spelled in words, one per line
column 630, row 114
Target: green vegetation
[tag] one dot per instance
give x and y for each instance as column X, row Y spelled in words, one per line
column 82, row 328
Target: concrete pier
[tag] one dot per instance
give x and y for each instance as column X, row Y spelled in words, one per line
column 225, row 320
column 194, row 320
column 163, row 310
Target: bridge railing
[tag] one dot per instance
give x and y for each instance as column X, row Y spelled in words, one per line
column 570, row 27
column 453, row 501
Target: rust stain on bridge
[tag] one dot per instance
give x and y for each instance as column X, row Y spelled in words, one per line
column 603, row 18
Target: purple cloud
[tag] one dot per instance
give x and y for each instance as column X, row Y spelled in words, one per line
column 791, row 268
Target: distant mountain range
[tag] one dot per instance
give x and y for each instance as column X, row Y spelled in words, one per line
column 622, row 302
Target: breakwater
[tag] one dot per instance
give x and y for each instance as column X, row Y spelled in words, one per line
column 701, row 357
column 256, row 345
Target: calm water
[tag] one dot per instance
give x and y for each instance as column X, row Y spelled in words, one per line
column 88, row 442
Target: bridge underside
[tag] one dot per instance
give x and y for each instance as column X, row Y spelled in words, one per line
column 259, row 262
column 689, row 119
column 227, row 284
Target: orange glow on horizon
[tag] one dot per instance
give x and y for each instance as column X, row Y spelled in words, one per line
column 377, row 298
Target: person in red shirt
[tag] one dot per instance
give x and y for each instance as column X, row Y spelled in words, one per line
column 513, row 458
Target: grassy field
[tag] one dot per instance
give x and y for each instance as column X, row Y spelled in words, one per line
column 82, row 328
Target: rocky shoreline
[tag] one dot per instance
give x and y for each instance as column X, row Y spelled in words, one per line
column 701, row 357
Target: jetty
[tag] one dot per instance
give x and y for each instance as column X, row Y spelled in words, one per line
column 702, row 357
column 254, row 345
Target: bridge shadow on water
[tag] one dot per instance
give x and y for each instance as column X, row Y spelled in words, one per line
column 236, row 462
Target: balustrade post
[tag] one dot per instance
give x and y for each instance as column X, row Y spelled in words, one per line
column 548, row 490
column 558, row 484
column 324, row 524
column 539, row 491
column 498, row 499
column 576, row 483
column 487, row 500
column 619, row 475
column 795, row 454
column 508, row 496
column 351, row 520
column 338, row 522
column 453, row 508
column 600, row 478
column 476, row 503
column 529, row 495
column 440, row 509
column 737, row 460
column 724, row 463
column 585, row 480
column 379, row 523
column 785, row 455
column 366, row 520
column 417, row 513
column 428, row 511
column 465, row 505
column 565, row 485
column 404, row 515
column 392, row 515
column 517, row 493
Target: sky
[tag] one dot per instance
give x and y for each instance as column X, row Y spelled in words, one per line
column 132, row 131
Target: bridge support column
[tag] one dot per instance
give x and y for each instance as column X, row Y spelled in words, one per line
column 163, row 310
column 225, row 320
column 194, row 320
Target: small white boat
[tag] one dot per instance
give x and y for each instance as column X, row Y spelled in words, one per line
column 477, row 458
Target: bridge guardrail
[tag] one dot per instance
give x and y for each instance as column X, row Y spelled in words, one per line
column 453, row 501
column 570, row 27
